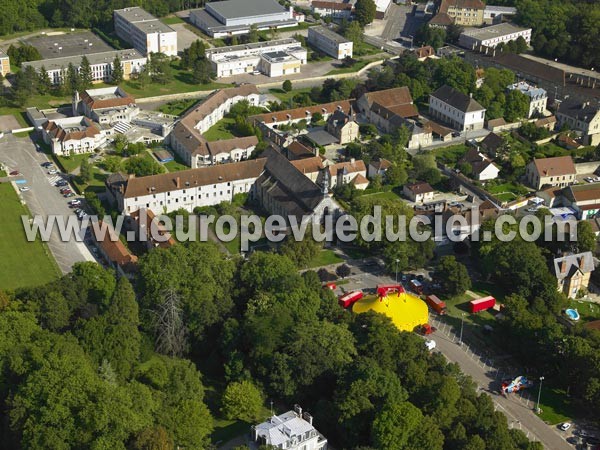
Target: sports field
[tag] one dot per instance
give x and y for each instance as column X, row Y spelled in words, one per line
column 22, row 263
column 406, row 311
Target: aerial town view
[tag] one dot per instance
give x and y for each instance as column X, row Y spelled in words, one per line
column 300, row 225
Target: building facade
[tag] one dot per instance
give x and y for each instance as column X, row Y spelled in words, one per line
column 456, row 109
column 573, row 272
column 538, row 97
column 132, row 62
column 329, row 42
column 333, row 9
column 583, row 117
column 144, row 31
column 418, row 192
column 491, row 36
column 4, row 63
column 466, row 13
column 273, row 58
column 73, row 135
column 545, row 172
column 343, row 126
column 292, row 430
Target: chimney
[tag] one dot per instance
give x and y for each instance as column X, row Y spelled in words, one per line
column 298, row 410
column 178, row 182
column 581, row 261
column 563, row 266
column 306, row 416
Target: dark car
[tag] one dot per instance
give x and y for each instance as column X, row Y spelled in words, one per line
column 61, row 183
column 15, row 173
column 46, row 164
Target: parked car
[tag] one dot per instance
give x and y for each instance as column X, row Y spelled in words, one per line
column 64, row 189
column 69, row 194
column 52, row 172
column 75, row 202
column 589, row 179
column 14, row 173
column 24, row 188
column 46, row 164
column 565, row 426
column 61, row 183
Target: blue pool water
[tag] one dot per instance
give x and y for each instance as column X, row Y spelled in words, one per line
column 572, row 313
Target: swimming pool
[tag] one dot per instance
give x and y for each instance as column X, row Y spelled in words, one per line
column 572, row 314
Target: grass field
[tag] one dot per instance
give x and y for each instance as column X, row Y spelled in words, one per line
column 23, row 263
column 387, row 195
column 450, row 155
column 515, row 189
column 325, row 258
column 286, row 96
column 171, row 20
column 223, row 129
column 555, row 405
column 177, row 107
column 354, row 68
column 587, row 310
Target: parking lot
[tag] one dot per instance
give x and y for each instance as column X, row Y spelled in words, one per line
column 42, row 198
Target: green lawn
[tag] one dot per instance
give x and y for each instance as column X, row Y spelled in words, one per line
column 387, row 195
column 555, row 405
column 516, row 189
column 506, row 197
column 171, row 20
column 354, row 68
column 325, row 258
column 22, row 263
column 175, row 166
column 286, row 96
column 450, row 155
column 70, row 163
column 178, row 107
column 223, row 129
column 587, row 310
column 484, row 288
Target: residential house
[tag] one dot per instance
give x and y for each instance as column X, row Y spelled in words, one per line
column 149, row 230
column 583, row 198
column 333, row 9
column 378, row 168
column 557, row 171
column 105, row 105
column 471, row 221
column 113, row 250
column 567, row 142
column 538, row 97
column 573, row 272
column 4, row 63
column 73, row 135
column 482, row 167
column 348, row 172
column 493, row 145
column 292, row 430
column 549, row 123
column 552, row 196
column 583, row 117
column 424, row 52
column 418, row 192
column 456, row 109
column 343, row 126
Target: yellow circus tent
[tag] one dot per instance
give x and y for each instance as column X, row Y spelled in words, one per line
column 406, row 311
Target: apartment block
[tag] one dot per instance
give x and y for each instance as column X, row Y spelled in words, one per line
column 329, row 42
column 144, row 31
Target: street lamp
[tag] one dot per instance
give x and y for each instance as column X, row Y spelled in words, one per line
column 397, row 262
column 462, row 320
column 537, row 409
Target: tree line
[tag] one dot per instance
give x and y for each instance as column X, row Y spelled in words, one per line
column 94, row 361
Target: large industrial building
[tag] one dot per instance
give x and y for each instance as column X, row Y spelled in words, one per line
column 493, row 35
column 329, row 42
column 230, row 17
column 145, row 32
column 273, row 58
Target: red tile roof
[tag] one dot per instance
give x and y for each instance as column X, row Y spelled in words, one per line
column 114, row 249
column 304, row 112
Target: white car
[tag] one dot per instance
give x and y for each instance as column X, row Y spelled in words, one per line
column 565, row 426
column 24, row 188
column 430, row 344
column 589, row 179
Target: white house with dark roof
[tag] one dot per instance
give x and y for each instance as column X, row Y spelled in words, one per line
column 292, row 430
column 581, row 116
column 483, row 168
column 573, row 272
column 456, row 109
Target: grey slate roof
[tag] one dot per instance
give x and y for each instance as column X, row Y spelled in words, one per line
column 457, row 99
column 287, row 186
column 566, row 266
column 583, row 112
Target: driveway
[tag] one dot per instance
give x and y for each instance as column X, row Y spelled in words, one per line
column 43, row 199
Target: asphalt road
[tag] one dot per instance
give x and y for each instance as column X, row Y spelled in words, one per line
column 517, row 408
column 43, row 199
column 486, row 372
